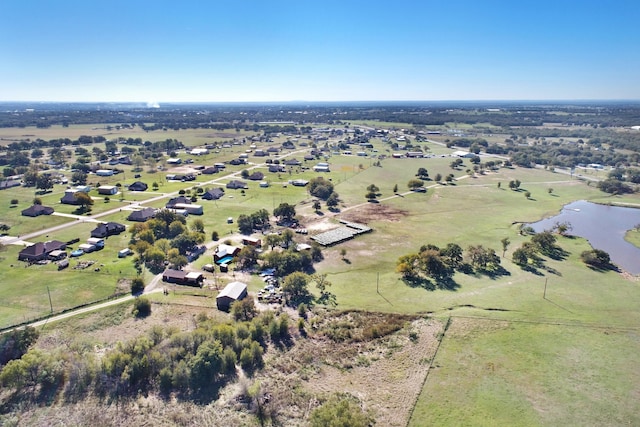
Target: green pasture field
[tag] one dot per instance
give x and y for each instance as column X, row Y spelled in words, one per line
column 490, row 372
column 190, row 137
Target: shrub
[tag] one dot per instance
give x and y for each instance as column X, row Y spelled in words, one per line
column 340, row 410
column 137, row 286
column 596, row 258
column 141, row 307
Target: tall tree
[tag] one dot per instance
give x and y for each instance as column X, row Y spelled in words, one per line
column 84, row 199
column 295, row 286
column 285, row 211
column 44, row 182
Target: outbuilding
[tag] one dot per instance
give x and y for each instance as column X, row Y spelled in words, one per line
column 251, row 241
column 234, row 291
column 189, row 208
column 108, row 190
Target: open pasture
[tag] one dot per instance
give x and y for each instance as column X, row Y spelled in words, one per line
column 489, row 372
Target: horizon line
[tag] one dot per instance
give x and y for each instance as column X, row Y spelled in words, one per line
column 502, row 100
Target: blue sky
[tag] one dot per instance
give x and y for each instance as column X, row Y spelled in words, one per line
column 236, row 51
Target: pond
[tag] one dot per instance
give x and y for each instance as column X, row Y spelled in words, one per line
column 604, row 227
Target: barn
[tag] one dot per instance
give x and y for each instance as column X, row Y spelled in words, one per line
column 234, row 291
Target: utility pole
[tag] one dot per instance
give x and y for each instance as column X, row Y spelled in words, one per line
column 544, row 295
column 50, row 303
column 378, row 283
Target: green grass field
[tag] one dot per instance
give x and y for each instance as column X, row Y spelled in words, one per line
column 490, row 372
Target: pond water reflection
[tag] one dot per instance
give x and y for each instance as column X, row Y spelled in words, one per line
column 604, row 227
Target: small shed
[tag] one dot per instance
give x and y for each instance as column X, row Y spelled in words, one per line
column 62, row 264
column 108, row 190
column 231, row 293
column 252, row 241
column 58, row 254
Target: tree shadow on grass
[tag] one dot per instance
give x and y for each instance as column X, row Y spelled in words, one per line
column 557, row 253
column 531, row 269
column 603, row 268
column 492, row 273
column 552, row 271
column 495, row 273
column 445, row 283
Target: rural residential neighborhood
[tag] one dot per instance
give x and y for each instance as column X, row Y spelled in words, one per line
column 341, row 265
column 336, row 214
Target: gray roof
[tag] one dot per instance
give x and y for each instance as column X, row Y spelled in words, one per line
column 233, row 290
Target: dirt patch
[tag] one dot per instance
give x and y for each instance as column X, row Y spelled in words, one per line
column 221, row 135
column 374, row 212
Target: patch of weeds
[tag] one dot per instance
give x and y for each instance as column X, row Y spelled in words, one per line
column 363, row 361
column 425, row 361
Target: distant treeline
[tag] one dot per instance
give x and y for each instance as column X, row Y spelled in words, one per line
column 236, row 116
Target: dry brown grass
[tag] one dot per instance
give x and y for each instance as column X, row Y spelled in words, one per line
column 382, row 362
column 374, row 212
column 386, row 373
